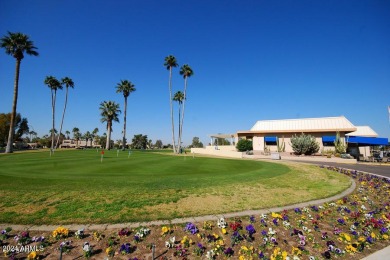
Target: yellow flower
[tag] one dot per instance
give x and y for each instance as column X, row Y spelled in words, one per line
column 361, row 239
column 350, row 249
column 215, row 236
column 244, row 248
column 276, row 215
column 32, row 255
column 165, row 230
column 241, row 257
column 284, row 254
column 224, row 231
column 373, row 235
column 385, row 237
column 220, row 242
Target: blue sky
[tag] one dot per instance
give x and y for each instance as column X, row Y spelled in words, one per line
column 252, row 60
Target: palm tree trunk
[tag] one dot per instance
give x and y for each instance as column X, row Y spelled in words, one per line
column 182, row 114
column 11, row 132
column 108, row 135
column 63, row 115
column 178, row 140
column 124, row 127
column 53, row 104
column 171, row 105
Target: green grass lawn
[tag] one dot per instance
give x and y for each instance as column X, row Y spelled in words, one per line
column 73, row 186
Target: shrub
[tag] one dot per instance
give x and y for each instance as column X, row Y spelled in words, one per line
column 339, row 145
column 244, row 145
column 304, row 144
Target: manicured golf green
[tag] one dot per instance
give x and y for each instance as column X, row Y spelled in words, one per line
column 74, row 186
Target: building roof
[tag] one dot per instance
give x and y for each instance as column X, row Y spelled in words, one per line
column 365, row 131
column 324, row 124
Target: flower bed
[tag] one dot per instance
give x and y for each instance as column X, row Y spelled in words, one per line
column 350, row 228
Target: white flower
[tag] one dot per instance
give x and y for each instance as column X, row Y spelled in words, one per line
column 263, row 216
column 221, row 223
column 172, row 240
column 86, row 247
column 210, row 254
column 296, row 257
column 271, row 231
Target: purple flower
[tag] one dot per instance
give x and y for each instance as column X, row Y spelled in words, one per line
column 275, row 221
column 190, row 227
column 326, row 254
column 228, row 251
column 383, row 230
column 315, row 208
column 251, row 230
column 370, row 240
column 264, row 233
column 137, row 238
column 261, row 255
column 125, row 249
column 338, row 251
column 252, row 219
column 273, row 240
column 298, row 210
column 341, row 221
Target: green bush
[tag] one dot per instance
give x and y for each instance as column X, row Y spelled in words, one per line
column 244, row 145
column 304, row 144
column 339, row 145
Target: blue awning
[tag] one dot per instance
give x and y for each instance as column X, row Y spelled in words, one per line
column 270, row 139
column 367, row 141
column 328, row 139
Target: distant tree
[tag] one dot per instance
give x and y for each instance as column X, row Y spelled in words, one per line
column 76, row 135
column 68, row 82
column 196, row 143
column 244, row 145
column 20, row 127
column 139, row 141
column 109, row 113
column 158, row 144
column 95, row 136
column 32, row 135
column 304, row 144
column 125, row 87
column 150, row 144
column 16, row 44
column 186, row 72
column 54, row 85
column 170, row 62
column 67, row 134
column 87, row 136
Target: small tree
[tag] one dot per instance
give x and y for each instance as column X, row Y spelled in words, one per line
column 304, row 144
column 196, row 143
column 158, row 144
column 244, row 145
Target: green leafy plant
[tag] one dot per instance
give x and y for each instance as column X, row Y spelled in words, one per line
column 339, row 145
column 244, row 145
column 281, row 145
column 304, row 144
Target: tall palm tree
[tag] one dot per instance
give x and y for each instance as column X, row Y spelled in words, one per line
column 179, row 97
column 186, row 72
column 125, row 87
column 54, row 85
column 76, row 134
column 87, row 136
column 109, row 112
column 68, row 82
column 94, row 135
column 16, row 44
column 170, row 62
column 67, row 134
